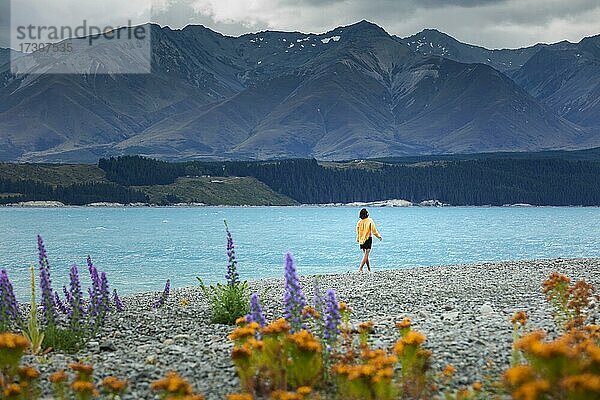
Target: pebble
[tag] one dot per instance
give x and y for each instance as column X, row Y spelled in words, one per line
column 486, row 309
column 463, row 310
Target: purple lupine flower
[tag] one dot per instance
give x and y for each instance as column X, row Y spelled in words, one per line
column 47, row 297
column 118, row 303
column 318, row 299
column 43, row 256
column 76, row 312
column 60, row 305
column 293, row 299
column 256, row 312
column 9, row 308
column 68, row 296
column 104, row 294
column 332, row 319
column 162, row 298
column 94, row 291
column 232, row 276
column 320, row 305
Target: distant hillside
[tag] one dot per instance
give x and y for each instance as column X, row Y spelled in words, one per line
column 79, row 184
column 352, row 92
column 552, row 178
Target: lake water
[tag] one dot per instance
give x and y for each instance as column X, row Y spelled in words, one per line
column 140, row 248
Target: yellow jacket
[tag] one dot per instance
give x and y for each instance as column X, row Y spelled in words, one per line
column 364, row 229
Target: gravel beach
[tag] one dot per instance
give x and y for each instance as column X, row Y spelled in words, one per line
column 464, row 310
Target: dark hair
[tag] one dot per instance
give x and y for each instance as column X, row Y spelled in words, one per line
column 363, row 213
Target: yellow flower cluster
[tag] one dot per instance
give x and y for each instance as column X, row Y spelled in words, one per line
column 276, row 327
column 569, row 364
column 412, row 339
column 59, row 376
column 377, row 367
column 12, row 390
column 574, row 346
column 114, row 385
column 11, row 341
column 299, row 394
column 184, row 302
column 244, row 331
column 82, row 368
column 305, row 341
column 519, row 318
column 172, row 384
column 310, row 311
column 28, row 373
column 405, row 323
column 84, row 387
column 240, row 396
column 556, row 281
column 366, row 327
column 449, row 370
column 343, row 307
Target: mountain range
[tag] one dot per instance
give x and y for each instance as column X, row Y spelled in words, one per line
column 353, row 92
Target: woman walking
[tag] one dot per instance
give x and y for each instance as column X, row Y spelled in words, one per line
column 365, row 229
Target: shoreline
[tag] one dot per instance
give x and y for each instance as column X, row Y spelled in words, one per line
column 54, row 205
column 464, row 310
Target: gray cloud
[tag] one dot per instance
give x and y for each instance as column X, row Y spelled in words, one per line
column 4, row 23
column 490, row 23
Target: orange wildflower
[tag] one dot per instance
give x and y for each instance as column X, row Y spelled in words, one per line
column 304, row 340
column 245, row 331
column 366, row 327
column 28, row 373
column 531, row 390
column 60, row 376
column 172, row 383
column 13, row 341
column 240, row 396
column 113, row 384
column 12, row 390
column 83, row 387
column 449, row 370
column 405, row 323
column 519, row 374
column 304, row 390
column 519, row 318
column 276, row 327
column 83, row 368
column 585, row 382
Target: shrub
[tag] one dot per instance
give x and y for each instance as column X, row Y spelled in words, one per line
column 230, row 301
column 227, row 302
column 564, row 368
column 65, row 340
column 65, row 325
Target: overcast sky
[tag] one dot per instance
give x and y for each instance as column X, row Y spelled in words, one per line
column 489, row 23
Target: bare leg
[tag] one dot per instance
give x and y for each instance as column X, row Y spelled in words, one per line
column 367, row 257
column 363, row 261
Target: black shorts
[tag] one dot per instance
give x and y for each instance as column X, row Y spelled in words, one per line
column 368, row 244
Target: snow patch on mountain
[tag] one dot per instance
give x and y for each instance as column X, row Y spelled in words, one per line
column 334, row 38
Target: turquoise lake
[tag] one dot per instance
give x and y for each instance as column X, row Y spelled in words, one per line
column 139, row 248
